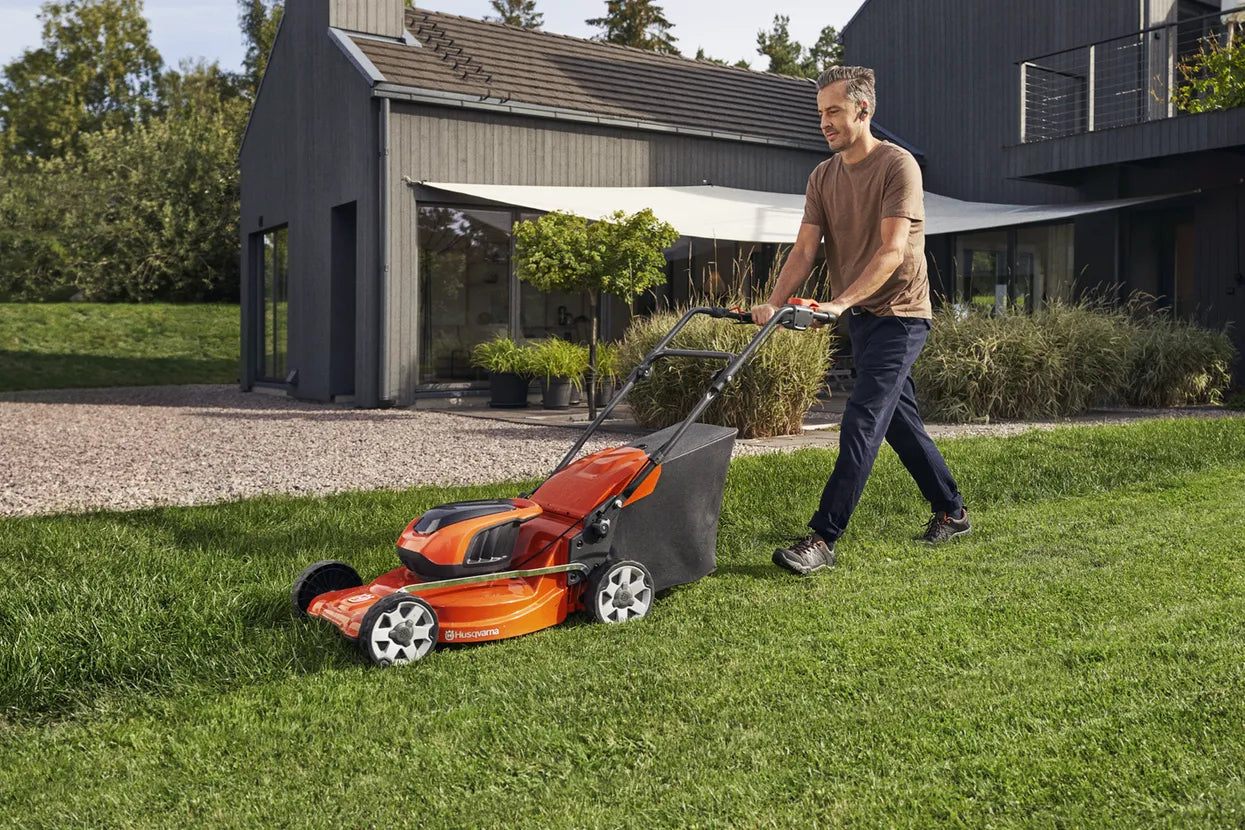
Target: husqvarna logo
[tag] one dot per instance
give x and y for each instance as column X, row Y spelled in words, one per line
column 451, row 634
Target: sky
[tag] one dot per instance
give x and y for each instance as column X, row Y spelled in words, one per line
column 725, row 29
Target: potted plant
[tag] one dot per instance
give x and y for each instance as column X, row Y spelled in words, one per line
column 561, row 366
column 509, row 368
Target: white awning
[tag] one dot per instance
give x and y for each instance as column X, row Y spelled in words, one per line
column 727, row 213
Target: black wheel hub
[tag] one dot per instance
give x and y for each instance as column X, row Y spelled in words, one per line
column 403, row 633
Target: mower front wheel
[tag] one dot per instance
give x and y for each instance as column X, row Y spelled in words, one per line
column 619, row 591
column 399, row 628
column 320, row 578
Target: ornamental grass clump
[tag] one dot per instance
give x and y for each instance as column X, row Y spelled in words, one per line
column 1066, row 359
column 977, row 367
column 770, row 395
column 1176, row 363
column 501, row 355
column 554, row 358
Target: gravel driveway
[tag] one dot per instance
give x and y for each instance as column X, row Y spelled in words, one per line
column 124, row 448
column 72, row 450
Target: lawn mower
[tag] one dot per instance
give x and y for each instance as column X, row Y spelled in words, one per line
column 604, row 533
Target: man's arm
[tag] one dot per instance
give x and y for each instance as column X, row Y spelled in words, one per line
column 885, row 262
column 794, row 272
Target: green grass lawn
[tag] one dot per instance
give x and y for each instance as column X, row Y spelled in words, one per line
column 1077, row 661
column 65, row 345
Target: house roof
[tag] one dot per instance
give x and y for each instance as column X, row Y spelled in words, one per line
column 499, row 63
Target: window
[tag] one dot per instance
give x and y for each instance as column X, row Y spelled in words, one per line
column 1021, row 269
column 271, row 249
column 464, row 287
column 982, row 261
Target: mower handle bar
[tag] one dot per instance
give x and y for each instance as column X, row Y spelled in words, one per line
column 791, row 316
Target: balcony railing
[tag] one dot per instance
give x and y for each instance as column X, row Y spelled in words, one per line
column 1118, row 82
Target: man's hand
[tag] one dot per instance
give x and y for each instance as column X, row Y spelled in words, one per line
column 761, row 314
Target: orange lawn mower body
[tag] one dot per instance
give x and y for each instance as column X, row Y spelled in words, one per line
column 604, row 533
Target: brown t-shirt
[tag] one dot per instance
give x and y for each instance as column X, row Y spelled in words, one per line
column 848, row 202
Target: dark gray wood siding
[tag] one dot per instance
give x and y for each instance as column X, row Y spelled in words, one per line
column 310, row 146
column 1219, row 261
column 947, row 78
column 454, row 145
column 1058, row 158
column 376, row 17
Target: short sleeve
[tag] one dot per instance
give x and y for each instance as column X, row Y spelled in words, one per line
column 902, row 194
column 814, row 211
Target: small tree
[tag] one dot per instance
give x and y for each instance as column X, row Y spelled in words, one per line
column 620, row 255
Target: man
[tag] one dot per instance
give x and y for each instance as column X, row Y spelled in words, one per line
column 868, row 204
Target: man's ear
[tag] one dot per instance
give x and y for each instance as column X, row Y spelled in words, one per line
column 864, row 111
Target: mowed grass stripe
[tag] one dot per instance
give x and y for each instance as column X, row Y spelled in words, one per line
column 151, row 601
column 1082, row 670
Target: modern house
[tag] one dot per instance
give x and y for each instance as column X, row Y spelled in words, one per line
column 361, row 283
column 1064, row 101
column 391, row 149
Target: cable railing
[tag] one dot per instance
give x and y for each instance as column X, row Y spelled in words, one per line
column 1117, row 82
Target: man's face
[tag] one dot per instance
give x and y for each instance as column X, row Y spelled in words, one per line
column 839, row 122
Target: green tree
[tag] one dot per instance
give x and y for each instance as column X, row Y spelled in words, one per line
column 620, row 255
column 96, row 70
column 259, row 20
column 148, row 212
column 521, row 13
column 825, row 53
column 789, row 57
column 786, row 56
column 637, row 23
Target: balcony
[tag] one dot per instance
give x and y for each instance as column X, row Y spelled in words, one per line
column 1115, row 100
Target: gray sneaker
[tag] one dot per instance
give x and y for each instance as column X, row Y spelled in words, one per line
column 943, row 528
column 806, row 556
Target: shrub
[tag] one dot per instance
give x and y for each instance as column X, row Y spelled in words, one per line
column 1213, row 78
column 770, row 395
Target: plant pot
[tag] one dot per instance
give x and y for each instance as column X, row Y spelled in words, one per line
column 507, row 390
column 557, row 393
column 577, row 395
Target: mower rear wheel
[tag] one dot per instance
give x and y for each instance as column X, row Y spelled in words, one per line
column 320, row 578
column 619, row 591
column 399, row 628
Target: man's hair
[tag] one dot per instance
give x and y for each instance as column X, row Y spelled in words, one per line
column 859, row 83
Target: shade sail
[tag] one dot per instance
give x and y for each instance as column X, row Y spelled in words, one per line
column 727, row 213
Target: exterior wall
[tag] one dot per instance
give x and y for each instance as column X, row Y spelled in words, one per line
column 377, row 17
column 447, row 145
column 1216, row 209
column 311, row 146
column 952, row 85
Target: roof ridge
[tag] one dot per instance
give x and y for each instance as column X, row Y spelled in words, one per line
column 645, row 53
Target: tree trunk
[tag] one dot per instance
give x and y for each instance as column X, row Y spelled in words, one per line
column 592, row 357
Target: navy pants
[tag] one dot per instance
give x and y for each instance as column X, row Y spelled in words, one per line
column 883, row 405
